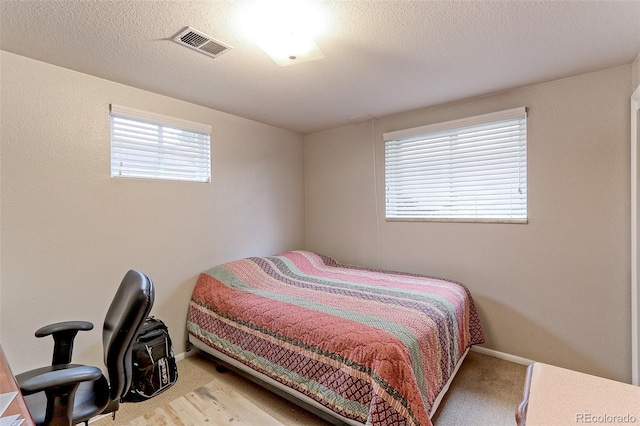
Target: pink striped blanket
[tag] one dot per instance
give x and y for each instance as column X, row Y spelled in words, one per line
column 373, row 346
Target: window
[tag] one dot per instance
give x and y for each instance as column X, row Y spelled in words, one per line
column 148, row 145
column 468, row 170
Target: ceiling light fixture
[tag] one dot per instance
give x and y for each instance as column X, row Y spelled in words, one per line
column 284, row 29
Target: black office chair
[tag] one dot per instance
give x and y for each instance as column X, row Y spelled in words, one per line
column 64, row 394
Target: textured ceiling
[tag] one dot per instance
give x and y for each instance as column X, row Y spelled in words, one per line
column 381, row 57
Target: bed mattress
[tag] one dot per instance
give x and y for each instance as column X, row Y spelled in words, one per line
column 374, row 347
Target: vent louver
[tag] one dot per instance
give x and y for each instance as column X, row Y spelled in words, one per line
column 201, row 42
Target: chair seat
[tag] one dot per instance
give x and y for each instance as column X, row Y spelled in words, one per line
column 91, row 398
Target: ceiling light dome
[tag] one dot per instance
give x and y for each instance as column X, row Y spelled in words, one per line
column 285, row 29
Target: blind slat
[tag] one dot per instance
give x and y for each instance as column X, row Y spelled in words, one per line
column 147, row 145
column 474, row 172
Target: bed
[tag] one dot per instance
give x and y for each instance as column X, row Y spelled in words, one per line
column 357, row 345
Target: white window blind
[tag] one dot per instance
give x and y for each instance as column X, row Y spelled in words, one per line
column 472, row 169
column 154, row 146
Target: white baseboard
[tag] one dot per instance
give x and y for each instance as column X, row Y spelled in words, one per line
column 187, row 354
column 183, row 355
column 502, row 355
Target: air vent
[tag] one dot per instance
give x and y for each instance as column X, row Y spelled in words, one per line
column 201, row 42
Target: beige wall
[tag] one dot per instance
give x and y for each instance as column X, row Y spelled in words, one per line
column 554, row 290
column 70, row 232
column 636, row 72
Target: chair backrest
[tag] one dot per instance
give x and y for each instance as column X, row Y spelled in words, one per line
column 130, row 307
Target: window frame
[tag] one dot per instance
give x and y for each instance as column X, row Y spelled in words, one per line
column 399, row 197
column 146, row 145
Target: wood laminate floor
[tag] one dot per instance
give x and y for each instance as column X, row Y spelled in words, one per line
column 485, row 392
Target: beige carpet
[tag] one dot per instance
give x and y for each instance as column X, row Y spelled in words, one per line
column 486, row 391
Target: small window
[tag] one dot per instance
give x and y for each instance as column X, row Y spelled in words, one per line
column 468, row 170
column 153, row 146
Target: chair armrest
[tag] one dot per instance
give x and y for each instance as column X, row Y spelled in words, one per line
column 58, row 378
column 60, row 386
column 63, row 326
column 63, row 334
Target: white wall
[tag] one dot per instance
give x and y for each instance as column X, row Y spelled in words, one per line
column 70, row 232
column 554, row 290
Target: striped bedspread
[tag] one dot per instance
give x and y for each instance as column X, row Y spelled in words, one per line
column 373, row 346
